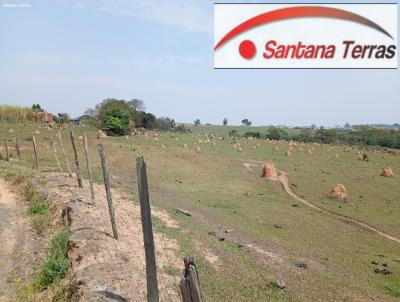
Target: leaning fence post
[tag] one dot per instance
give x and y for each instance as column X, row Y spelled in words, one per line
column 6, row 147
column 53, row 147
column 151, row 270
column 190, row 283
column 17, row 149
column 36, row 152
column 89, row 168
column 77, row 168
column 64, row 154
column 108, row 189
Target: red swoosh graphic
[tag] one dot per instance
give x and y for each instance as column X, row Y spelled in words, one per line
column 299, row 12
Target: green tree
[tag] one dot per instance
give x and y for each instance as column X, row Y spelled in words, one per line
column 116, row 121
column 37, row 108
column 197, row 122
column 145, row 120
column 225, row 121
column 62, row 118
column 246, row 122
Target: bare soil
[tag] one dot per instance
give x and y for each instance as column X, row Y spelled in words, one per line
column 20, row 246
column 105, row 268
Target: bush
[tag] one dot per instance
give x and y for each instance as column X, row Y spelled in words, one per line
column 277, row 134
column 116, row 121
column 255, row 134
column 145, row 120
column 234, row 133
column 165, row 124
column 182, row 129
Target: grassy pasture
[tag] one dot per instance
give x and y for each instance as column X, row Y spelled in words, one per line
column 222, row 194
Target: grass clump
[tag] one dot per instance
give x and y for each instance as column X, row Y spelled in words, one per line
column 38, row 205
column 393, row 288
column 38, row 208
column 16, row 177
column 8, row 175
column 53, row 280
column 57, row 263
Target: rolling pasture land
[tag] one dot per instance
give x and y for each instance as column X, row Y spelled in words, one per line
column 247, row 235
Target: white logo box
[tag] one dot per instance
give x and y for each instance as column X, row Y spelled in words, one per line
column 313, row 25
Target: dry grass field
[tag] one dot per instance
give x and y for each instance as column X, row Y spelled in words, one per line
column 248, row 235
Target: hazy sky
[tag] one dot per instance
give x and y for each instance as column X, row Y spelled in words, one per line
column 69, row 55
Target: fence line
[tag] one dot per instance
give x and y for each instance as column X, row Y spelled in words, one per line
column 151, row 270
column 36, row 152
column 89, row 168
column 64, row 154
column 17, row 149
column 108, row 189
column 77, row 168
column 53, row 147
column 190, row 290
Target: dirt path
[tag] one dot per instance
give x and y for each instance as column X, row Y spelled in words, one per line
column 10, row 225
column 283, row 178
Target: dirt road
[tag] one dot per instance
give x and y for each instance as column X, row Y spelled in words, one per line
column 283, row 178
column 10, row 224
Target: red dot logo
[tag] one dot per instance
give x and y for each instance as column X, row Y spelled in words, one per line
column 247, row 49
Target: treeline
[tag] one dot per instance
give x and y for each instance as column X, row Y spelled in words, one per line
column 120, row 117
column 361, row 135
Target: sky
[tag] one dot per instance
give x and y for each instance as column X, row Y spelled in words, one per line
column 69, row 55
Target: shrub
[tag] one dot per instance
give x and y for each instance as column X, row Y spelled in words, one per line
column 277, row 134
column 182, row 129
column 234, row 133
column 117, row 121
column 165, row 123
column 255, row 134
column 145, row 120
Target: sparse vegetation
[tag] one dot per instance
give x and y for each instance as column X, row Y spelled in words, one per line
column 16, row 114
column 56, row 264
column 232, row 197
column 38, row 208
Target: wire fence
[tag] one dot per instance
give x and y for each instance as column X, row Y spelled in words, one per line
column 53, row 153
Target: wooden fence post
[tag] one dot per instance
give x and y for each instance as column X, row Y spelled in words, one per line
column 36, row 152
column 77, row 168
column 108, row 189
column 64, row 154
column 53, row 147
column 190, row 283
column 151, row 269
column 6, row 147
column 17, row 149
column 89, row 168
